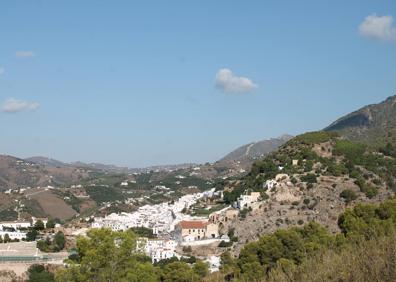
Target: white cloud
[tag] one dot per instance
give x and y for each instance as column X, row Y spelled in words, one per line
column 378, row 27
column 24, row 54
column 12, row 105
column 228, row 82
column 2, row 70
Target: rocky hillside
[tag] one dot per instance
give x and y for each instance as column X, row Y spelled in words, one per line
column 18, row 173
column 317, row 176
column 374, row 124
column 256, row 149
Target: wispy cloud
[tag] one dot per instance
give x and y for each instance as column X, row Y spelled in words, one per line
column 24, row 54
column 12, row 105
column 2, row 70
column 378, row 28
column 228, row 82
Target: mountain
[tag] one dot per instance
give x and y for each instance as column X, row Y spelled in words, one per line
column 256, row 149
column 46, row 161
column 373, row 124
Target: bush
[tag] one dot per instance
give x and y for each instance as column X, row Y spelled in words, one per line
column 309, row 178
column 224, row 244
column 38, row 273
column 348, row 195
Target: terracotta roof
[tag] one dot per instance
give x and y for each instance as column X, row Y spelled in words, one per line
column 192, row 224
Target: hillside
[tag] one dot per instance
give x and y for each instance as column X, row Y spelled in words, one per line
column 256, row 149
column 317, row 176
column 18, row 173
column 373, row 124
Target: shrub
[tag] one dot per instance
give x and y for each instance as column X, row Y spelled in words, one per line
column 348, row 195
column 309, row 178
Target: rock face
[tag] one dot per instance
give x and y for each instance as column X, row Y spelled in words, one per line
column 374, row 124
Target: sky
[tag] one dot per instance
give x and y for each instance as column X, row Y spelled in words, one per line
column 139, row 83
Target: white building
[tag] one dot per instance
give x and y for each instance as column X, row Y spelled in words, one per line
column 159, row 249
column 13, row 235
column 246, row 201
column 15, row 225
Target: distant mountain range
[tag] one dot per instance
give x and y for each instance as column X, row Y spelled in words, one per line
column 256, row 150
column 48, row 162
column 373, row 124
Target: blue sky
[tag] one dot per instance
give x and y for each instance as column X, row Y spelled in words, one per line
column 158, row 82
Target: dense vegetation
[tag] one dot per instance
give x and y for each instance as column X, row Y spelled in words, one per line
column 38, row 273
column 113, row 256
column 56, row 244
column 102, row 194
column 293, row 252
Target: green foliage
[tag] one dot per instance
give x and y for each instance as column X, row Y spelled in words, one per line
column 55, row 245
column 224, row 244
column 369, row 221
column 39, row 225
column 201, row 269
column 178, row 272
column 143, row 232
column 31, row 235
column 286, row 251
column 388, row 150
column 372, row 260
column 348, row 195
column 309, row 178
column 108, row 256
column 352, row 151
column 38, row 273
column 8, row 214
column 315, row 137
column 293, row 244
column 50, row 223
column 6, row 238
column 102, row 194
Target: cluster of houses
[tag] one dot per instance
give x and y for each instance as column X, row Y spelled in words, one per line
column 167, row 220
column 161, row 218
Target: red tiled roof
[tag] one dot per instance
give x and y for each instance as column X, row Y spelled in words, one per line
column 192, row 224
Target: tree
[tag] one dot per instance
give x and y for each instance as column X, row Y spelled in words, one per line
column 59, row 240
column 38, row 273
column 50, row 223
column 31, row 235
column 39, row 225
column 201, row 268
column 105, row 255
column 178, row 272
column 348, row 195
column 7, row 238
